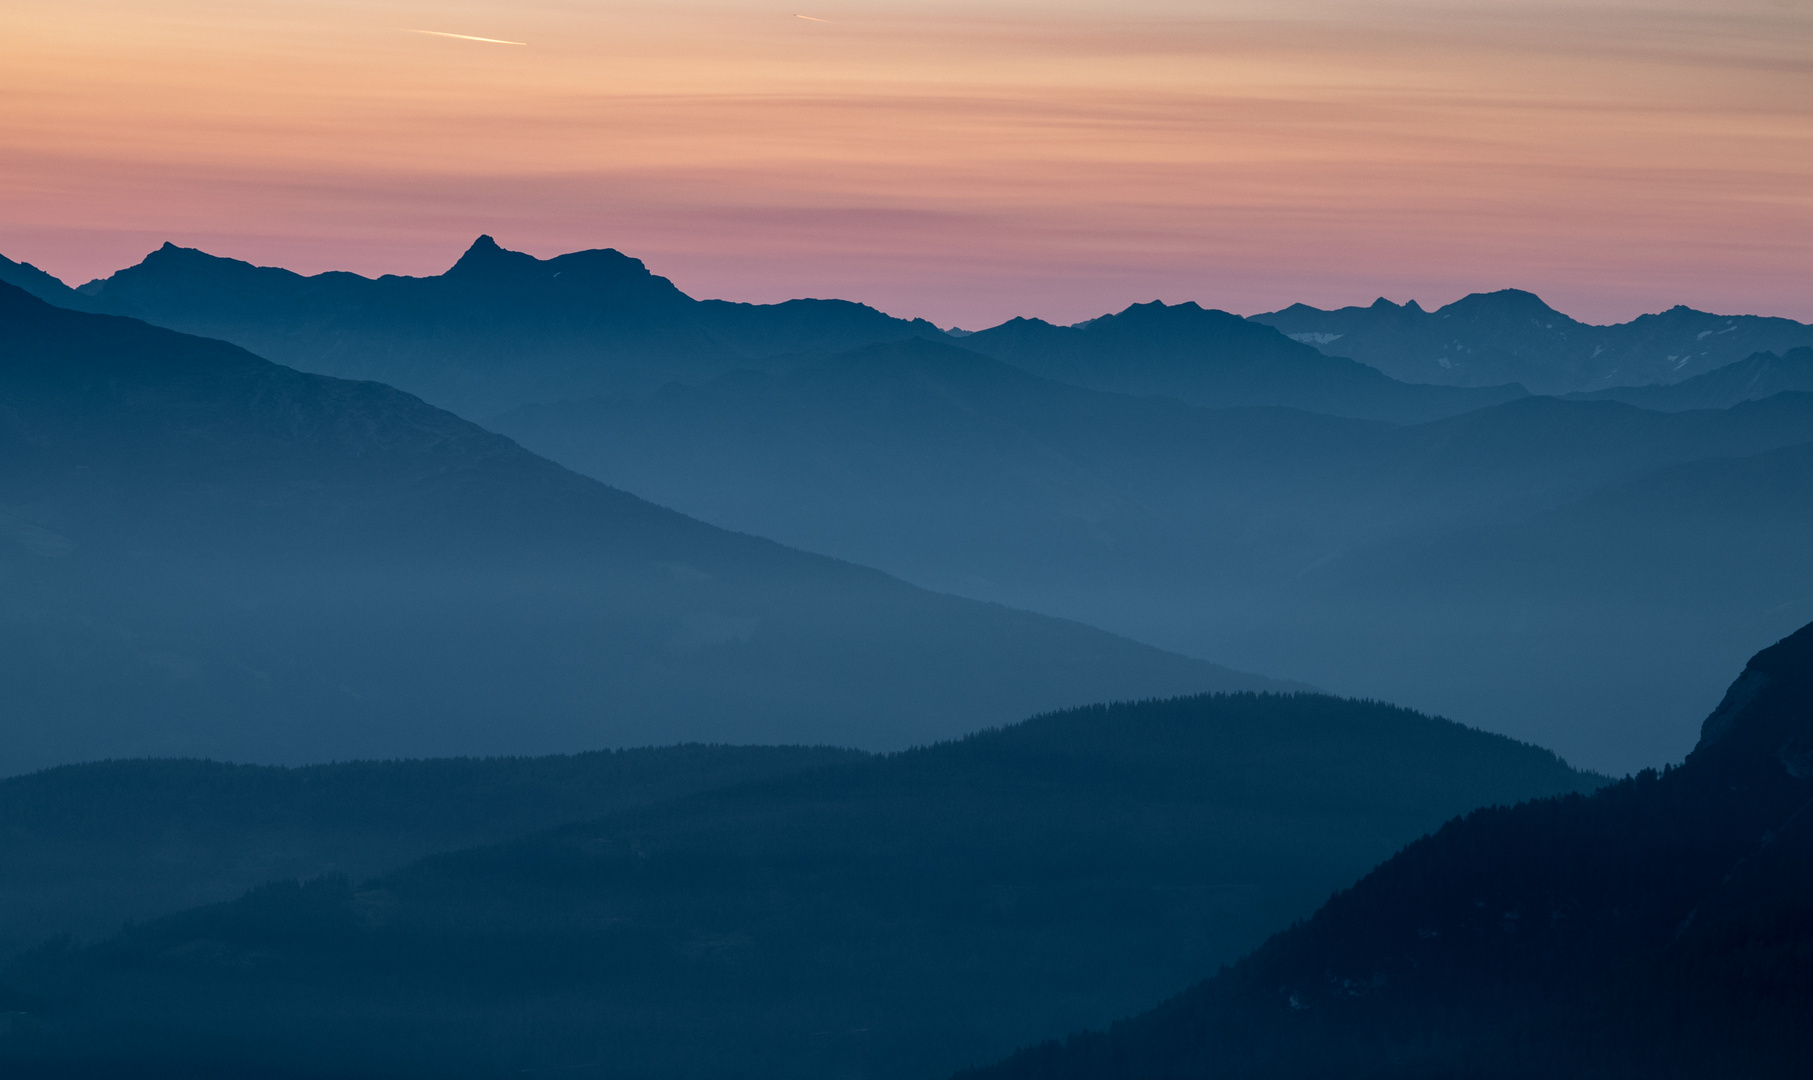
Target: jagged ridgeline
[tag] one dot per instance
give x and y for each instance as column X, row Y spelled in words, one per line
column 1512, row 336
column 202, row 553
column 1660, row 927
column 892, row 917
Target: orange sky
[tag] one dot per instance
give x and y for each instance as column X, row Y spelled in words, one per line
column 961, row 162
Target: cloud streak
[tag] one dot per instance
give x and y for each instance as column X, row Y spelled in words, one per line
column 468, row 37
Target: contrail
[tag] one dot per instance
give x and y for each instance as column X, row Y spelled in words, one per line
column 809, row 18
column 469, row 37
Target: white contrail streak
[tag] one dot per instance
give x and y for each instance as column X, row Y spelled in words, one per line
column 469, row 37
column 809, row 18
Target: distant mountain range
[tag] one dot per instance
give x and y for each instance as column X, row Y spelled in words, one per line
column 1218, row 360
column 1511, row 336
column 206, row 553
column 891, row 917
column 1659, row 928
column 502, row 329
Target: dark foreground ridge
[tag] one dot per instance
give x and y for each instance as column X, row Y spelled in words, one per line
column 1661, row 927
column 894, row 917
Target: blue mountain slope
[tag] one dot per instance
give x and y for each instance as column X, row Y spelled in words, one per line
column 205, row 553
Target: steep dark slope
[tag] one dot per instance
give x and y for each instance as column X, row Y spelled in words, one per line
column 1662, row 927
column 892, row 918
column 205, row 553
column 1750, row 379
column 1486, row 339
column 499, row 329
column 87, row 847
column 1214, row 359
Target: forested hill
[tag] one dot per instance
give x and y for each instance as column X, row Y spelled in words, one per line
column 1661, row 927
column 203, row 553
column 894, row 917
column 88, row 847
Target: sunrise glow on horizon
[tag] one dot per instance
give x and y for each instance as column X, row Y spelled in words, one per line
column 963, row 163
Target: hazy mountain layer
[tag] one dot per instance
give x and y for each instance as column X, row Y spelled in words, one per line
column 202, row 553
column 87, row 847
column 1486, row 339
column 1749, row 379
column 1661, row 580
column 1658, row 928
column 1252, row 533
column 1214, row 359
column 895, row 917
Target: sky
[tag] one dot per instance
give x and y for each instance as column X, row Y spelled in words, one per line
column 959, row 162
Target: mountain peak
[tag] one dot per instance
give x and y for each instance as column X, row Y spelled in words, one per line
column 1502, row 302
column 487, row 258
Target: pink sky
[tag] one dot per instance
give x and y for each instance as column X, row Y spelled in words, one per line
column 964, row 163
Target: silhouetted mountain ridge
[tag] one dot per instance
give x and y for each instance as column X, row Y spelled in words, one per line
column 499, row 328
